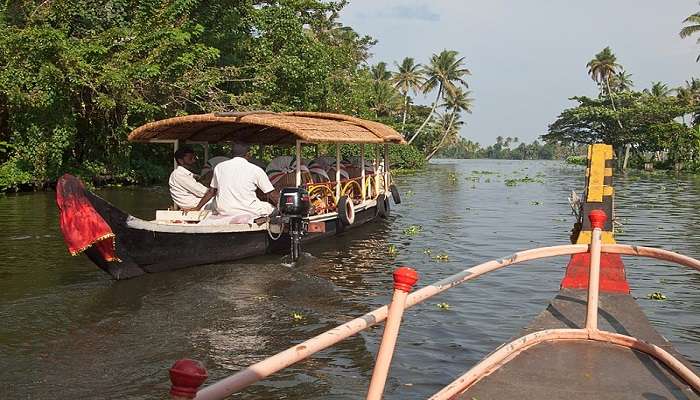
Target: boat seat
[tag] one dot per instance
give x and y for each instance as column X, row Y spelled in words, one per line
column 191, row 216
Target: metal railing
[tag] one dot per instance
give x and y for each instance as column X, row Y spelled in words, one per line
column 189, row 374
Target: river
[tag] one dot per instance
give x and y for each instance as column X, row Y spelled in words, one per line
column 69, row 331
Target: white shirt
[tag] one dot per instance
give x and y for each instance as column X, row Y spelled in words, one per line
column 236, row 181
column 184, row 189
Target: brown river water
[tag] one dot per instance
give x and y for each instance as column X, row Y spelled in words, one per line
column 70, row 332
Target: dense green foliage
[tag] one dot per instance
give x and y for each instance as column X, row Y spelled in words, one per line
column 77, row 76
column 656, row 125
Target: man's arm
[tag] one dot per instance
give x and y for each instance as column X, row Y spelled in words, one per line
column 191, row 185
column 263, row 183
column 207, row 196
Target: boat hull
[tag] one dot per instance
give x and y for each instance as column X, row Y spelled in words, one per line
column 144, row 251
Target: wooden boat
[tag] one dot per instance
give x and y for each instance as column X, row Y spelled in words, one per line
column 567, row 352
column 176, row 239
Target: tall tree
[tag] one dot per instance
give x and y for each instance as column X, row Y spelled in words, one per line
column 601, row 68
column 445, row 72
column 621, row 81
column 408, row 78
column 380, row 73
column 454, row 104
column 658, row 89
column 692, row 27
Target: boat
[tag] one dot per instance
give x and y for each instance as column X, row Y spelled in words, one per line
column 126, row 247
column 592, row 341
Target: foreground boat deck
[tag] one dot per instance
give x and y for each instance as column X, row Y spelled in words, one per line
column 586, row 370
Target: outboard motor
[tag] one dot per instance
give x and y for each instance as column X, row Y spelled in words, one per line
column 294, row 206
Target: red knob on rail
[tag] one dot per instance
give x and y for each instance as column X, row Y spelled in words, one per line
column 597, row 218
column 186, row 377
column 405, row 278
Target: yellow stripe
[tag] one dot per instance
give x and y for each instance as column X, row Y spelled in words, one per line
column 598, row 153
column 584, row 237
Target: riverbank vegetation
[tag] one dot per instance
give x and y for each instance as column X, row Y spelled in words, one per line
column 77, row 76
column 655, row 127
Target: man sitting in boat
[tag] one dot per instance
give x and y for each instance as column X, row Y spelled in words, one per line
column 234, row 184
column 184, row 188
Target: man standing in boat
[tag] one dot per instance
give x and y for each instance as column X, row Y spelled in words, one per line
column 234, row 184
column 184, row 188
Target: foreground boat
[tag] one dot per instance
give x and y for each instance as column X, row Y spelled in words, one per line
column 592, row 341
column 125, row 246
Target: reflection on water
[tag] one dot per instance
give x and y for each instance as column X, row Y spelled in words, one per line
column 70, row 330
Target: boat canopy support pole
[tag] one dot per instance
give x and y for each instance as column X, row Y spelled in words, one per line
column 386, row 167
column 206, row 152
column 337, row 171
column 298, row 163
column 362, row 162
column 176, row 146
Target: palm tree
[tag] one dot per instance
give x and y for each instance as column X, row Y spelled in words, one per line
column 692, row 28
column 384, row 98
column 621, row 81
column 455, row 104
column 408, row 78
column 601, row 68
column 658, row 90
column 445, row 72
column 380, row 73
column 690, row 94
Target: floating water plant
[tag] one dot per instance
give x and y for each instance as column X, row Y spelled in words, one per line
column 526, row 179
column 297, row 316
column 442, row 257
column 444, row 306
column 427, row 252
column 452, row 177
column 413, row 230
column 392, row 250
column 657, row 296
column 535, row 203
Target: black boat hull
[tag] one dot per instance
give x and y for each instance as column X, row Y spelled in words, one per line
column 144, row 251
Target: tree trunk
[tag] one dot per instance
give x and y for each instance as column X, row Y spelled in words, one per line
column 444, row 136
column 429, row 115
column 405, row 111
column 612, row 101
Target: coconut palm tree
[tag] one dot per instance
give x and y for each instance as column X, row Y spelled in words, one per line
column 445, row 72
column 384, row 98
column 454, row 104
column 658, row 89
column 601, row 68
column 380, row 73
column 621, row 81
column 409, row 78
column 692, row 28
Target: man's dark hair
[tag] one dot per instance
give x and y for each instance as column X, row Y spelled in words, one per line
column 182, row 151
column 239, row 149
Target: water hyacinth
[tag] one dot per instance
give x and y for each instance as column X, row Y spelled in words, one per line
column 441, row 257
column 412, row 230
column 392, row 250
column 658, row 296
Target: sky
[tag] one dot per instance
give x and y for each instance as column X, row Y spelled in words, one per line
column 527, row 58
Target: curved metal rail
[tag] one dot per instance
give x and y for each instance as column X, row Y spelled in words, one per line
column 279, row 361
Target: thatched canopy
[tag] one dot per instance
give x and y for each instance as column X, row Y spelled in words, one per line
column 267, row 128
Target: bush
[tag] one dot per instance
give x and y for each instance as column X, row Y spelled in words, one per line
column 577, row 160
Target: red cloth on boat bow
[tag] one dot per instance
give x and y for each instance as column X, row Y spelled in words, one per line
column 80, row 223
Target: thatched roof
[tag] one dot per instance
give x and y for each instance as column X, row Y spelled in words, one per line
column 267, row 128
